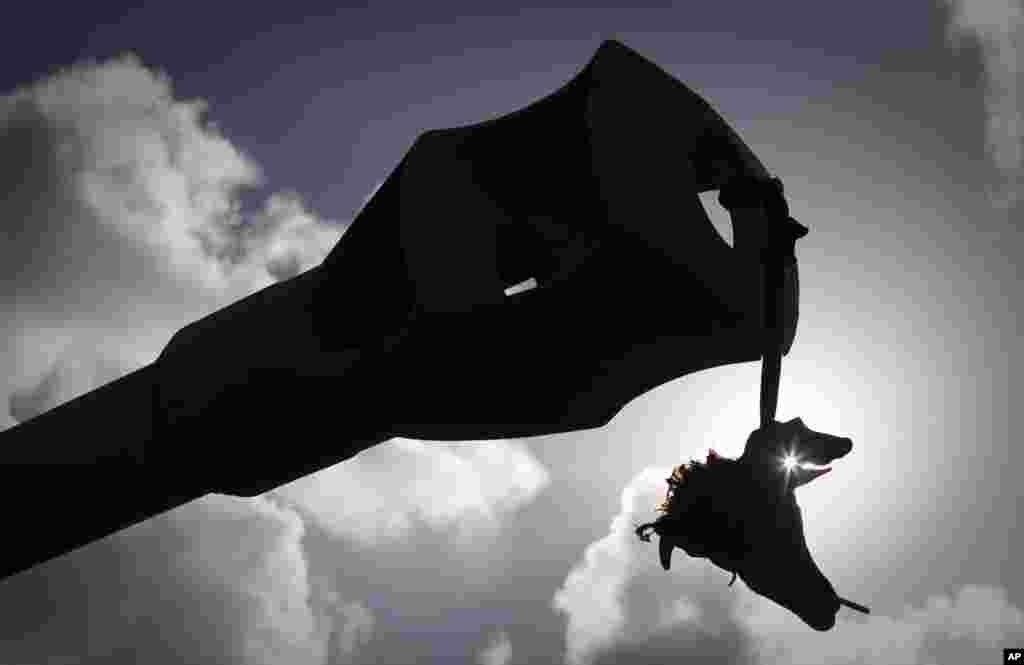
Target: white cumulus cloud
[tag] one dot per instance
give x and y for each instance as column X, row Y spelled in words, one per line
column 251, row 551
column 968, row 627
column 498, row 652
column 618, row 593
column 150, row 167
column 219, row 580
column 121, row 222
column 356, row 630
column 380, row 495
column 997, row 26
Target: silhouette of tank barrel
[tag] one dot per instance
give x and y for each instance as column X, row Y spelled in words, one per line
column 411, row 326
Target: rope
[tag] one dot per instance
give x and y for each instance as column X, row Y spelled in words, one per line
column 771, row 365
column 769, row 194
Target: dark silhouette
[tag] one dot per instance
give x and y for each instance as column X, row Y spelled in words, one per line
column 742, row 514
column 414, row 325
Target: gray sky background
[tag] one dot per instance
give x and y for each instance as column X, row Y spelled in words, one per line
column 897, row 130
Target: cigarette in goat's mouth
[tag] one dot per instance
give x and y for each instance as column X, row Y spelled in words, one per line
column 854, row 606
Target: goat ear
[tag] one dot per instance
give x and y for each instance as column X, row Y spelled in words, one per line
column 665, row 547
column 791, row 428
column 759, row 440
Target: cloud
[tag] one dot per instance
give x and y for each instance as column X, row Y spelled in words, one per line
column 498, row 652
column 219, row 580
column 997, row 26
column 137, row 161
column 121, row 222
column 623, row 608
column 618, row 599
column 382, row 494
column 250, row 551
column 967, row 627
column 76, row 369
column 356, row 630
column 29, row 402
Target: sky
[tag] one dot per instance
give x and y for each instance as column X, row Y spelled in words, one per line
column 160, row 162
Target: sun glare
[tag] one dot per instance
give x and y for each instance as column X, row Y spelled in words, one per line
column 789, row 462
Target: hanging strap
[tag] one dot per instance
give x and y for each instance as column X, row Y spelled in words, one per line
column 769, row 195
column 771, row 363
